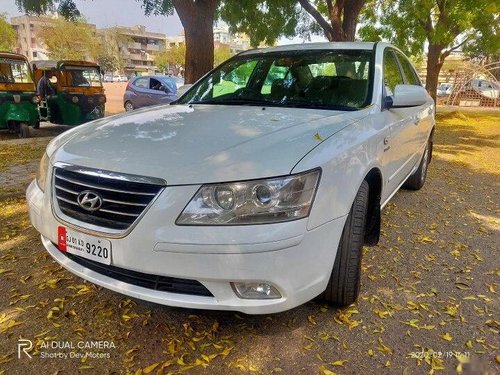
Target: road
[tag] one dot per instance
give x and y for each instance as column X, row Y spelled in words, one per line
column 429, row 298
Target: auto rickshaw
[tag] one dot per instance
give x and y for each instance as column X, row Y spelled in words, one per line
column 18, row 98
column 77, row 95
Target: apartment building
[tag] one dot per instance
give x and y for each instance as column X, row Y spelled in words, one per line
column 28, row 41
column 236, row 42
column 137, row 47
column 28, row 29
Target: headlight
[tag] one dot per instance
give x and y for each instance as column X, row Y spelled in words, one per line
column 35, row 99
column 271, row 200
column 75, row 99
column 41, row 175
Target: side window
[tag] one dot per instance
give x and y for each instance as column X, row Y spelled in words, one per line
column 411, row 77
column 154, row 84
column 234, row 79
column 392, row 75
column 142, row 83
column 276, row 72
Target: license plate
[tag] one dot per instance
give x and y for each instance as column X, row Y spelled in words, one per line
column 90, row 247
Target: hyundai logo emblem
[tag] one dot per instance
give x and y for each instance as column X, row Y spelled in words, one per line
column 89, row 200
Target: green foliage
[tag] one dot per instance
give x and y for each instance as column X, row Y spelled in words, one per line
column 409, row 24
column 66, row 8
column 8, row 39
column 110, row 43
column 72, row 40
column 221, row 53
column 263, row 21
column 108, row 62
column 175, row 58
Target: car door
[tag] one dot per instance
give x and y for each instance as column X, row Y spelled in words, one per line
column 422, row 115
column 140, row 86
column 399, row 145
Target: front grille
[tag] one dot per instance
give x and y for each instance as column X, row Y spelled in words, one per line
column 123, row 200
column 155, row 282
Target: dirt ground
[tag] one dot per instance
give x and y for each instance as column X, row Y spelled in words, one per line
column 429, row 299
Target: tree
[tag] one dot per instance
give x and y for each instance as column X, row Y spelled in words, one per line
column 70, row 40
column 108, row 62
column 446, row 26
column 66, row 8
column 222, row 52
column 112, row 42
column 8, row 39
column 341, row 17
column 197, row 18
column 173, row 59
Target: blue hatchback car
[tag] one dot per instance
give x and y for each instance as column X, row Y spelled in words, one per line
column 144, row 91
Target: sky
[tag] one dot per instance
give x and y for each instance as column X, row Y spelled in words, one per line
column 109, row 13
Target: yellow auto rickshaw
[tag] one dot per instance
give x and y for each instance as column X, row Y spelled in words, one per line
column 18, row 98
column 71, row 92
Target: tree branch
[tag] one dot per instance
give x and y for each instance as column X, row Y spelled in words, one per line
column 327, row 28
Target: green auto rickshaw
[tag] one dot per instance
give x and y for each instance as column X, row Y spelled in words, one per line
column 71, row 93
column 18, row 97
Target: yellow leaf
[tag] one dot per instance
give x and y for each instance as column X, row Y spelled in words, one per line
column 311, row 320
column 150, row 368
column 446, row 337
column 340, row 362
column 462, row 286
column 388, row 364
column 317, row 137
column 498, row 358
column 371, row 353
column 324, row 371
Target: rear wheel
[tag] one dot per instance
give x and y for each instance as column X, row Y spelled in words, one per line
column 129, row 106
column 344, row 283
column 417, row 180
column 24, row 130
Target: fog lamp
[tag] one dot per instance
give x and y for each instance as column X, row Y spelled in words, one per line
column 255, row 290
column 74, row 99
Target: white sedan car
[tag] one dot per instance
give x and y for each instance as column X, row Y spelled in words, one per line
column 254, row 192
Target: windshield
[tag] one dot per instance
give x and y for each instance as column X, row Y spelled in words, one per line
column 333, row 79
column 82, row 76
column 14, row 71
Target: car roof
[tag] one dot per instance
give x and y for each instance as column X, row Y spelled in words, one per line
column 313, row 46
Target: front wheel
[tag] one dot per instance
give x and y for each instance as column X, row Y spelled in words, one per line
column 344, row 283
column 129, row 106
column 417, row 180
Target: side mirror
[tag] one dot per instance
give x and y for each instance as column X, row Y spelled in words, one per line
column 407, row 96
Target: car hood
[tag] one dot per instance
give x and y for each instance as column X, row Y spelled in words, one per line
column 200, row 143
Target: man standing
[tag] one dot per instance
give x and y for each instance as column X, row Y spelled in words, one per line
column 44, row 87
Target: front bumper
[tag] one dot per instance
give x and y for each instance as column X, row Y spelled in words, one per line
column 296, row 261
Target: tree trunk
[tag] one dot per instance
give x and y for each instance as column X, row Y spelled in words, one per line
column 198, row 20
column 434, row 65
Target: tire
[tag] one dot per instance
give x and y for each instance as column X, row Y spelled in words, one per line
column 128, row 106
column 24, row 130
column 417, row 180
column 343, row 286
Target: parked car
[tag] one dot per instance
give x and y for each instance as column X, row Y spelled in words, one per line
column 120, row 78
column 108, row 78
column 444, row 89
column 256, row 199
column 149, row 90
